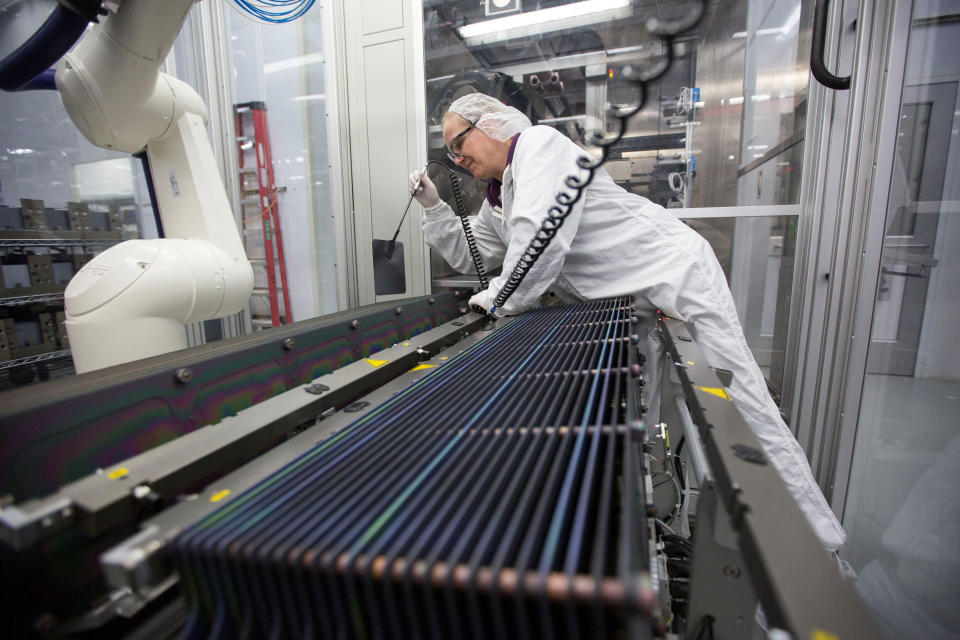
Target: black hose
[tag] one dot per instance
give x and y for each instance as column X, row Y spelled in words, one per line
column 468, row 231
column 145, row 162
column 465, row 223
column 60, row 31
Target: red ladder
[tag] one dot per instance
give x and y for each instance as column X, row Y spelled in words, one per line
column 247, row 115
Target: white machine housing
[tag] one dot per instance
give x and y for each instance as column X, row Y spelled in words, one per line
column 132, row 300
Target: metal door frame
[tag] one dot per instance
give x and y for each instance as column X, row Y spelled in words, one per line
column 846, row 178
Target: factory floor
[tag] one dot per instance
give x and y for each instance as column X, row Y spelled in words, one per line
column 902, row 513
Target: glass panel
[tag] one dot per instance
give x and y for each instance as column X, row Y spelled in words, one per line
column 281, row 67
column 757, row 256
column 84, row 199
column 749, row 62
column 902, row 511
column 723, row 127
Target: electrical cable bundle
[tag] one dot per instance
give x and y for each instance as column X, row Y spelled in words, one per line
column 275, row 11
column 666, row 31
column 679, row 552
column 499, row 496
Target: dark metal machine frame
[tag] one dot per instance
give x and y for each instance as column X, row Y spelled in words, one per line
column 751, row 544
column 127, row 409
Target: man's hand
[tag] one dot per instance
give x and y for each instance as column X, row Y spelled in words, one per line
column 425, row 193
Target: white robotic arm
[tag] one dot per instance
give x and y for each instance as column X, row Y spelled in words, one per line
column 132, row 301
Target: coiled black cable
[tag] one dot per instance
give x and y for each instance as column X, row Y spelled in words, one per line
column 557, row 214
column 465, row 223
column 468, row 231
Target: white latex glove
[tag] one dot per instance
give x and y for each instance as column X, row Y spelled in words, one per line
column 426, row 194
column 484, row 300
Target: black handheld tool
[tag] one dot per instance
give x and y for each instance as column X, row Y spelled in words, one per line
column 461, row 213
column 388, row 250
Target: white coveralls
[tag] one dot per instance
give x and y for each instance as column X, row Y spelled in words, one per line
column 615, row 243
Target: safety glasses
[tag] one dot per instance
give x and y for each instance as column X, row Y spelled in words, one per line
column 456, row 143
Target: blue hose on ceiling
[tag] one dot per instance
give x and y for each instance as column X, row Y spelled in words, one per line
column 56, row 35
column 275, row 11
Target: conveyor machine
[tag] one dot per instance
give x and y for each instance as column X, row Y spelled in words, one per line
column 455, row 477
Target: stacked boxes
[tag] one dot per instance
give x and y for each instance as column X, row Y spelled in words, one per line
column 37, row 260
column 34, row 215
column 41, row 273
column 48, row 327
column 79, row 216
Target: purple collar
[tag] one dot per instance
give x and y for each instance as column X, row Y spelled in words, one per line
column 493, row 185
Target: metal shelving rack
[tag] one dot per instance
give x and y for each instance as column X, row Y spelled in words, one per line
column 30, row 238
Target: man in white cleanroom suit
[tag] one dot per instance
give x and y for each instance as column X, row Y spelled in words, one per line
column 613, row 243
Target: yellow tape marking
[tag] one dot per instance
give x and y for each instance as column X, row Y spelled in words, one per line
column 406, row 344
column 219, row 495
column 444, row 357
column 376, row 363
column 116, row 474
column 820, row 634
column 421, row 367
column 717, row 391
column 691, row 362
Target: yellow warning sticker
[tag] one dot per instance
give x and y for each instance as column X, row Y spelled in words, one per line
column 421, row 367
column 820, row 634
column 717, row 391
column 376, row 363
column 116, row 474
column 219, row 495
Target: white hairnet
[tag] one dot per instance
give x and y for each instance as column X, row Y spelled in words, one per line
column 491, row 116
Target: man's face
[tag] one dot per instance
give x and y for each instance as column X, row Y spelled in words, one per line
column 478, row 153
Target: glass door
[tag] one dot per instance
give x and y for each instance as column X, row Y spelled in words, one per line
column 911, row 233
column 902, row 510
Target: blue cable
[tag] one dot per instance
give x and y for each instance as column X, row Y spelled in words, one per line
column 275, row 11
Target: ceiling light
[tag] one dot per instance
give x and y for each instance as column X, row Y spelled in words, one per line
column 576, row 14
column 309, row 97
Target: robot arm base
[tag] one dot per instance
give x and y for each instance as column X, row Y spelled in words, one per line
column 133, row 300
column 96, row 345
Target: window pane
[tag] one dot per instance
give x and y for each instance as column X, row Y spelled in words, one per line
column 902, row 511
column 62, row 201
column 734, row 96
column 281, row 66
column 757, row 256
